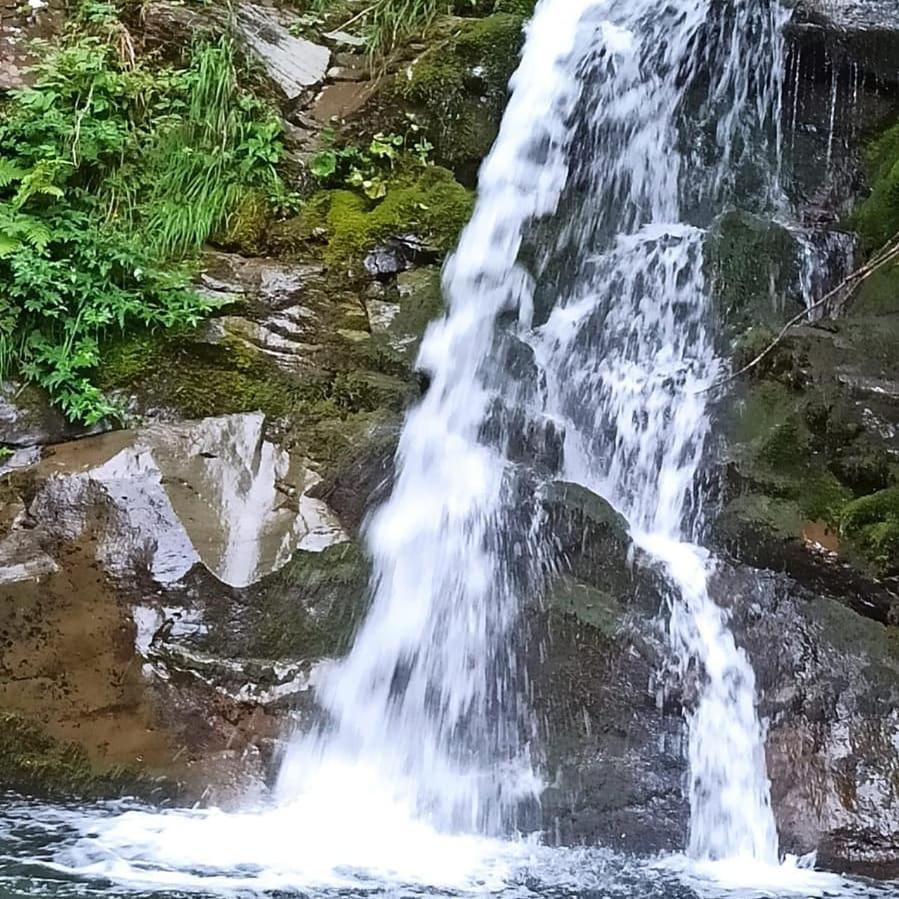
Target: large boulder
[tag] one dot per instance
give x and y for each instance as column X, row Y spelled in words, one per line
column 613, row 752
column 810, row 461
column 169, row 496
column 828, row 680
column 165, row 595
column 611, row 708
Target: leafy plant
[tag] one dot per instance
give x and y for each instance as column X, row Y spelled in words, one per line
column 225, row 143
column 306, row 23
column 111, row 176
column 368, row 169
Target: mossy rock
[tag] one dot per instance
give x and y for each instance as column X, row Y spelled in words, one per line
column 599, row 609
column 33, row 763
column 247, row 227
column 400, row 313
column 323, row 412
column 872, row 524
column 308, row 610
column 755, row 515
column 877, row 218
column 780, row 448
column 779, row 364
column 427, row 202
column 458, row 87
column 522, row 8
column 864, row 468
column 753, row 265
column 197, row 380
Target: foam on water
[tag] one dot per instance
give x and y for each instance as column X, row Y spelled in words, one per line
column 115, row 850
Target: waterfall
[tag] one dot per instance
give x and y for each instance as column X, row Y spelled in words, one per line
column 428, row 696
column 628, row 354
column 593, row 143
column 578, row 345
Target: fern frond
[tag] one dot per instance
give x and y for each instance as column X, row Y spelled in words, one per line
column 10, row 172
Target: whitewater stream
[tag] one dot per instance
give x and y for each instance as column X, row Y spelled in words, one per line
column 426, row 777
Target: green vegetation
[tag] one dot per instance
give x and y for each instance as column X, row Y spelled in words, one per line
column 333, row 583
column 385, row 23
column 111, row 175
column 427, row 202
column 872, row 523
column 458, row 87
column 877, row 219
column 753, row 265
column 388, row 21
column 368, row 169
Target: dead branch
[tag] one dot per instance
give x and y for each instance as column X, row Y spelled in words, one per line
column 849, row 284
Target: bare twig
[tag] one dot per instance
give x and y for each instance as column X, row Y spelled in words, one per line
column 76, row 136
column 126, row 47
column 850, row 284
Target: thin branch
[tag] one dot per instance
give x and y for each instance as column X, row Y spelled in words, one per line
column 850, row 284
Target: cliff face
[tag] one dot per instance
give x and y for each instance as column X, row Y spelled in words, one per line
column 169, row 588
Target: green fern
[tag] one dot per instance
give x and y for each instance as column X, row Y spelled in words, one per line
column 17, row 229
column 10, row 172
column 110, row 175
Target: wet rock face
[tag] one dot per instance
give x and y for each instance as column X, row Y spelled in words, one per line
column 611, row 712
column 165, row 498
column 20, row 24
column 614, row 750
column 811, row 457
column 828, row 681
column 841, row 84
column 865, row 31
column 27, row 419
column 165, row 594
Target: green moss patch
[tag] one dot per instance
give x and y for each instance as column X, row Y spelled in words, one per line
column 458, row 87
column 753, row 264
column 197, row 380
column 308, row 610
column 247, row 227
column 323, row 411
column 879, row 294
column 428, row 203
column 877, row 218
column 34, row 763
column 594, row 607
column 872, row 524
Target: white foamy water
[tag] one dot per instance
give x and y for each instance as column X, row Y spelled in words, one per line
column 629, row 354
column 425, row 764
column 428, row 696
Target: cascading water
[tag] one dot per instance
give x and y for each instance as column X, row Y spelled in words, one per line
column 628, row 354
column 427, row 697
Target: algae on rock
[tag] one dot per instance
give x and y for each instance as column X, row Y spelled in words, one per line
column 428, row 204
column 877, row 218
column 34, row 763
